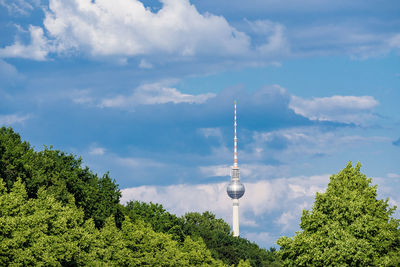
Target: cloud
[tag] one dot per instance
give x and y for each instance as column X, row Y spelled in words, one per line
column 38, row 49
column 128, row 28
column 8, row 74
column 81, row 96
column 123, row 29
column 13, row 119
column 144, row 64
column 346, row 109
column 260, row 197
column 295, row 144
column 97, row 151
column 19, row 7
column 274, row 35
column 155, row 93
column 395, row 41
column 393, row 175
column 260, row 237
column 273, row 206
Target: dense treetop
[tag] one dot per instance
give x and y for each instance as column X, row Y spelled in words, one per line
column 348, row 226
column 54, row 211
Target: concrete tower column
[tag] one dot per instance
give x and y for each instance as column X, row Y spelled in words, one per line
column 235, row 225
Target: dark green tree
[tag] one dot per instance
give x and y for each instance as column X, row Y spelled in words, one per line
column 348, row 226
column 61, row 174
column 223, row 245
column 155, row 215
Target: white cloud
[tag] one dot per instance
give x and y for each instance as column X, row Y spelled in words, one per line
column 81, row 96
column 20, row 7
column 274, row 34
column 97, row 151
column 13, row 119
column 155, row 93
column 209, row 132
column 36, row 50
column 144, row 64
column 395, row 41
column 346, row 109
column 134, row 163
column 215, row 170
column 127, row 27
column 279, row 195
column 260, row 237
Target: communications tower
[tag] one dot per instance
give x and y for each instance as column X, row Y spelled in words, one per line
column 235, row 188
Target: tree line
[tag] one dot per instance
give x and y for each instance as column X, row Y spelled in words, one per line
column 56, row 212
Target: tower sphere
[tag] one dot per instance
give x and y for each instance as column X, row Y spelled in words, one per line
column 235, row 189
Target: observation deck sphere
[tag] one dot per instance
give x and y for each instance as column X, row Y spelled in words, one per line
column 235, row 189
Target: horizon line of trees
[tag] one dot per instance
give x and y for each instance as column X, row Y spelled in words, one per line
column 55, row 212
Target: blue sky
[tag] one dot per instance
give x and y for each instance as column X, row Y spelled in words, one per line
column 145, row 90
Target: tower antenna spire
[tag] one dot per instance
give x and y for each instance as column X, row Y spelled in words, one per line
column 235, row 143
column 235, row 188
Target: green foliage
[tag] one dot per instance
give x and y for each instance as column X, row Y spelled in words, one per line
column 39, row 231
column 59, row 173
column 55, row 212
column 347, row 226
column 224, row 246
column 45, row 231
column 202, row 227
column 155, row 215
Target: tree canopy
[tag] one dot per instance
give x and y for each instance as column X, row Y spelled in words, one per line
column 348, row 226
column 55, row 212
column 206, row 227
column 61, row 174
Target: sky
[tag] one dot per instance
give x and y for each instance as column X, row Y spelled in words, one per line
column 145, row 90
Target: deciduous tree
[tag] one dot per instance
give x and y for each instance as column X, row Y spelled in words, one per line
column 347, row 226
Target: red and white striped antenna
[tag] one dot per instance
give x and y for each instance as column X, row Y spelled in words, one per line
column 235, row 143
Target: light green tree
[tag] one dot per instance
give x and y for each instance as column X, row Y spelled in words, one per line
column 40, row 231
column 44, row 231
column 347, row 226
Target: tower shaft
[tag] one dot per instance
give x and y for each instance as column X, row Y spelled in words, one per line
column 235, row 217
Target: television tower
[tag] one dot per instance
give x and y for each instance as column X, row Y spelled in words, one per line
column 235, row 188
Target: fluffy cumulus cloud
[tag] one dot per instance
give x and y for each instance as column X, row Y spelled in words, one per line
column 36, row 50
column 127, row 28
column 346, row 109
column 268, row 209
column 266, row 205
column 155, row 93
column 260, row 197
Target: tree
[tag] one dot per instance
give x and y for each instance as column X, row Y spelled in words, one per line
column 159, row 219
column 231, row 250
column 347, row 226
column 61, row 174
column 41, row 231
